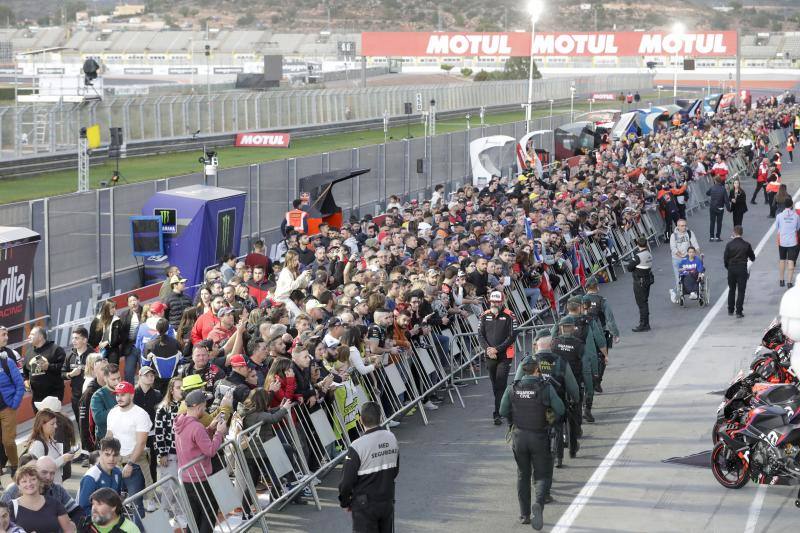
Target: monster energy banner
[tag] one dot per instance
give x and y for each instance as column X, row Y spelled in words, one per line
column 169, row 220
column 225, row 232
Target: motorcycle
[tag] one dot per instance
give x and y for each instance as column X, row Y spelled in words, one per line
column 765, row 449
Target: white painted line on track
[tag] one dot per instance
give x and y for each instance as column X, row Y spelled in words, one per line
column 588, row 490
column 755, row 509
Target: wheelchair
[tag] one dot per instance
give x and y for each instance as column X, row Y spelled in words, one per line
column 702, row 291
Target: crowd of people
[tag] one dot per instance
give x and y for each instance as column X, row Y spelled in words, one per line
column 157, row 385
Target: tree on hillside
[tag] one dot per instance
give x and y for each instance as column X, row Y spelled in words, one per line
column 517, row 69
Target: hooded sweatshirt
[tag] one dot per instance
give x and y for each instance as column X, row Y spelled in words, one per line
column 192, row 441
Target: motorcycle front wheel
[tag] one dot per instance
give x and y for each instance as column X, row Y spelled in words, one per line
column 729, row 469
column 715, row 433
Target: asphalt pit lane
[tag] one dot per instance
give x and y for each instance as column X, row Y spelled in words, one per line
column 697, row 460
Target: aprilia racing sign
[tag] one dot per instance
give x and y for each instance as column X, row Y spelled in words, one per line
column 17, row 250
column 417, row 44
column 266, row 139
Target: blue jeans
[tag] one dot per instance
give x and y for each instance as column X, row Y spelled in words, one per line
column 131, row 354
column 133, row 485
column 533, row 295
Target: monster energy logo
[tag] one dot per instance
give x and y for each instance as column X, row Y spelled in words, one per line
column 226, row 227
column 169, row 219
column 225, row 231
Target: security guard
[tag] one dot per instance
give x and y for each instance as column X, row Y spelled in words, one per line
column 641, row 265
column 599, row 337
column 368, row 474
column 559, row 374
column 532, row 406
column 296, row 218
column 592, row 341
column 597, row 306
column 497, row 332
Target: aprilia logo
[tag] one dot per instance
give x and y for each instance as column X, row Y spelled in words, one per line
column 12, row 288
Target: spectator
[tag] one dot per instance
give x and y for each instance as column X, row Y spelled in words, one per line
column 194, row 441
column 104, row 334
column 103, row 400
column 148, row 329
column 73, row 370
column 42, row 442
column 259, row 286
column 148, row 398
column 130, row 425
column 129, row 322
column 258, row 257
column 787, row 224
column 206, row 322
column 6, row 525
column 47, row 468
column 162, row 354
column 235, row 382
column 42, row 367
column 208, row 372
column 718, row 203
column 227, row 267
column 33, row 511
column 12, row 389
column 103, row 474
column 164, row 429
column 166, row 286
column 92, row 384
column 177, row 301
column 107, row 513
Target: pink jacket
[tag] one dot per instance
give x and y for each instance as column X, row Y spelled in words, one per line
column 192, row 441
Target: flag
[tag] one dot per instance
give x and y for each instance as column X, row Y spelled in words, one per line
column 580, row 271
column 547, row 291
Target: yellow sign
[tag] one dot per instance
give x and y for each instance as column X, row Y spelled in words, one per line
column 93, row 136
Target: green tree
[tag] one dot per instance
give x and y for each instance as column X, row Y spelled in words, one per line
column 481, row 76
column 7, row 17
column 446, row 67
column 466, row 72
column 517, row 69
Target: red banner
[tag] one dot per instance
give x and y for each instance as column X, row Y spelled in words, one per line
column 261, row 140
column 629, row 43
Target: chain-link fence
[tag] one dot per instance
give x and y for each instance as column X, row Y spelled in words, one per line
column 49, row 128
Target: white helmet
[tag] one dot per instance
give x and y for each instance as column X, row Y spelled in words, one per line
column 790, row 323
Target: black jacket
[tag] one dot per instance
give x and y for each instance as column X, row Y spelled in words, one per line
column 148, row 401
column 718, row 197
column 498, row 331
column 176, row 304
column 481, row 282
column 369, row 470
column 73, row 361
column 737, row 252
column 125, row 327
column 49, row 382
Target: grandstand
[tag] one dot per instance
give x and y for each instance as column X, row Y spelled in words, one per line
column 175, row 52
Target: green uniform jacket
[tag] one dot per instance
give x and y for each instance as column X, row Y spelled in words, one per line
column 611, row 323
column 560, row 369
column 550, row 399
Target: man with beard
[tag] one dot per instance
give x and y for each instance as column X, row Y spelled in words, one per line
column 107, row 514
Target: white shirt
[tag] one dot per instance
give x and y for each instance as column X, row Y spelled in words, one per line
column 124, row 425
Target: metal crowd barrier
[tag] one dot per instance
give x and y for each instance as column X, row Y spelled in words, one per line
column 171, row 507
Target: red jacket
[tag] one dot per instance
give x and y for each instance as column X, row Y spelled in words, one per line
column 203, row 326
column 288, row 386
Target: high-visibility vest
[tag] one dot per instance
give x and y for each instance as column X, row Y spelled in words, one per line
column 295, row 218
column 773, row 186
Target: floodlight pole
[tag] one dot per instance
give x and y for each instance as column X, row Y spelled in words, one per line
column 738, row 72
column 83, row 162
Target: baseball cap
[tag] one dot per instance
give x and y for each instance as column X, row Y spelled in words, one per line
column 51, row 402
column 145, row 369
column 158, row 308
column 123, row 387
column 176, row 279
column 334, row 321
column 496, row 296
column 238, row 361
column 224, row 311
column 191, row 382
column 313, row 304
column 196, row 397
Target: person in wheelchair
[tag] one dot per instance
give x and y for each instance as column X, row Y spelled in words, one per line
column 691, row 271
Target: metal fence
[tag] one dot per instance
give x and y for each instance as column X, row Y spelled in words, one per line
column 86, row 253
column 48, row 128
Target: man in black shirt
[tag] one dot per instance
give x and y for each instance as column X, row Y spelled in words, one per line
column 479, row 277
column 737, row 252
column 42, row 367
column 74, row 365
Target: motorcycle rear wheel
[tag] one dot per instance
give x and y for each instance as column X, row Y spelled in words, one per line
column 728, row 468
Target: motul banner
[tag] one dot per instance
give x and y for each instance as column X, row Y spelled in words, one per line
column 603, row 96
column 17, row 250
column 630, row 43
column 266, row 139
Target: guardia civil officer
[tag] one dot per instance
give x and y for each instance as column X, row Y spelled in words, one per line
column 641, row 266
column 559, row 374
column 532, row 406
column 591, row 341
column 370, row 468
column 599, row 307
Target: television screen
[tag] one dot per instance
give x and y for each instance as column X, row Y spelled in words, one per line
column 146, row 236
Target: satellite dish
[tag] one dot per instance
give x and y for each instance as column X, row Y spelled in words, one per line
column 90, row 69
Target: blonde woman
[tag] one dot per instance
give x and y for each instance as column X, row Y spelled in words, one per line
column 290, row 279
